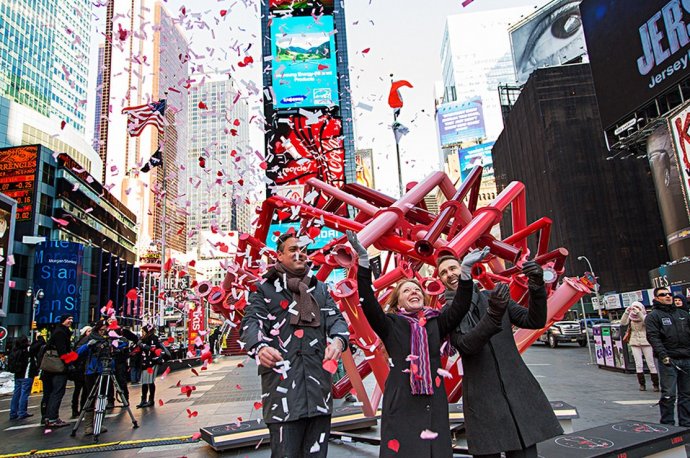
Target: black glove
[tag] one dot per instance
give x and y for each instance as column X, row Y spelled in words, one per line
column 145, row 347
column 498, row 302
column 666, row 361
column 534, row 273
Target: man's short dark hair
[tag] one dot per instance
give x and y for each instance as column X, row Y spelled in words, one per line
column 284, row 238
column 444, row 258
column 656, row 290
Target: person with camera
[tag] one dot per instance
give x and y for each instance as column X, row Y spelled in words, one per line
column 121, row 357
column 96, row 350
column 78, row 370
column 55, row 379
column 152, row 355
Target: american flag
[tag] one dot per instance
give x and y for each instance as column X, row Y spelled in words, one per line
column 143, row 115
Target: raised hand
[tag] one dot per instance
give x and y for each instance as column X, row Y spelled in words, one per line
column 498, row 302
column 470, row 260
column 534, row 273
column 362, row 254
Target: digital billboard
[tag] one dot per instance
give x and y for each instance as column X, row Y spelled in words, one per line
column 637, row 50
column 288, row 5
column 17, row 177
column 303, row 66
column 302, row 147
column 8, row 209
column 551, row 36
column 460, row 121
column 58, row 272
column 477, row 155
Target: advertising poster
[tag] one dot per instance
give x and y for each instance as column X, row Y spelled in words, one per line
column 195, row 324
column 58, row 272
column 607, row 345
column 7, row 220
column 637, row 51
column 303, row 148
column 288, row 5
column 326, row 235
column 477, row 155
column 17, row 177
column 598, row 345
column 364, row 163
column 668, row 176
column 549, row 37
column 460, row 121
column 304, row 64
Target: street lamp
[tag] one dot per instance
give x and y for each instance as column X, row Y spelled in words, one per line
column 34, row 305
column 596, row 285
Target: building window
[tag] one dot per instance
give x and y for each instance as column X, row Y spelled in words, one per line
column 44, row 232
column 20, row 269
column 46, row 207
column 17, row 299
column 48, row 175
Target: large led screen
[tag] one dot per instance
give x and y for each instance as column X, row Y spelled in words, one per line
column 58, row 272
column 477, row 155
column 289, row 5
column 17, row 176
column 303, row 147
column 637, row 50
column 304, row 64
column 551, row 36
column 460, row 121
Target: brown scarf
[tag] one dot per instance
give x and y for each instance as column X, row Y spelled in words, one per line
column 308, row 311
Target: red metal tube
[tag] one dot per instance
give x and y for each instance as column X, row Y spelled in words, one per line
column 343, row 196
column 485, row 218
column 402, row 271
column 543, row 225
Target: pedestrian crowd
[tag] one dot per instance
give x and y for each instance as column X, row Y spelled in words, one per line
column 103, row 347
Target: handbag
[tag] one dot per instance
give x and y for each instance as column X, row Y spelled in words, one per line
column 52, row 363
column 626, row 337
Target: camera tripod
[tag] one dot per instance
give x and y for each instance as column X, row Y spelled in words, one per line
column 98, row 399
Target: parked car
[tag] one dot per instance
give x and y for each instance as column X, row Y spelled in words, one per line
column 591, row 322
column 564, row 332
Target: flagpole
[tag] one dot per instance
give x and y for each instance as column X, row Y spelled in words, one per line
column 397, row 146
column 161, row 284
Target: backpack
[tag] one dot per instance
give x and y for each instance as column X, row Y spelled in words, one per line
column 13, row 360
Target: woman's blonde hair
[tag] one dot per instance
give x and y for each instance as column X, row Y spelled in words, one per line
column 392, row 302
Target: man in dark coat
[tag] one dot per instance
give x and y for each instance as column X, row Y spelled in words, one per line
column 505, row 408
column 668, row 332
column 54, row 384
column 287, row 326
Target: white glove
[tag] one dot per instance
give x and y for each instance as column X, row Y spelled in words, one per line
column 359, row 249
column 470, row 260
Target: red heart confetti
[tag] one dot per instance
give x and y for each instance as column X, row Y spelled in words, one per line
column 284, row 304
column 160, row 402
column 299, row 333
column 330, row 366
column 257, row 405
column 394, row 445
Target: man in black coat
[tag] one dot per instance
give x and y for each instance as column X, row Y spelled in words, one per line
column 54, row 383
column 505, row 408
column 294, row 328
column 668, row 332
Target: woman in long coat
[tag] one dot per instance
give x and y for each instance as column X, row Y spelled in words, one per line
column 634, row 317
column 414, row 420
column 505, row 408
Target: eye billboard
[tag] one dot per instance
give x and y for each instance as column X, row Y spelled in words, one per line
column 549, row 37
column 303, row 69
column 637, row 51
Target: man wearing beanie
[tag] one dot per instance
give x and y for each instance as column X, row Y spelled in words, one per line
column 54, row 383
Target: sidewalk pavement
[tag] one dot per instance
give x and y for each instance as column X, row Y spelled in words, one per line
column 227, row 391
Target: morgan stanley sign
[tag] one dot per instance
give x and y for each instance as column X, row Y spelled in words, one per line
column 637, row 50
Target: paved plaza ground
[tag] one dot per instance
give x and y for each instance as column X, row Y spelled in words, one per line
column 225, row 392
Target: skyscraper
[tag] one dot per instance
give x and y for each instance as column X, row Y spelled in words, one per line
column 44, row 63
column 45, row 55
column 217, row 134
column 153, row 52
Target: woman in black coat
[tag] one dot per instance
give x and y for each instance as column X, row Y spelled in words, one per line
column 505, row 408
column 414, row 420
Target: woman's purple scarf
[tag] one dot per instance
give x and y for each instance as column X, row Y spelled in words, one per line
column 420, row 380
